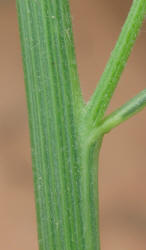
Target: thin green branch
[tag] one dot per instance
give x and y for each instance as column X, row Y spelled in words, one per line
column 128, row 110
column 109, row 80
column 122, row 114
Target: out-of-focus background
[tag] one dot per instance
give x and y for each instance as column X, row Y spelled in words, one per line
column 122, row 178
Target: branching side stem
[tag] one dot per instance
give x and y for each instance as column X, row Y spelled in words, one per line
column 132, row 107
column 116, row 64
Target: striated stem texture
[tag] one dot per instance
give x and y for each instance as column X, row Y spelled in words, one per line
column 54, row 104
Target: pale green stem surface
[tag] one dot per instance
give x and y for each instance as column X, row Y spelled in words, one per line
column 64, row 157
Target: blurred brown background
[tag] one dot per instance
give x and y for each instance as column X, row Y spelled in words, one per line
column 97, row 24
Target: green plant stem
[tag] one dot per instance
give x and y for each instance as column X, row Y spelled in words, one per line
column 116, row 64
column 54, row 104
column 93, row 115
column 122, row 114
column 89, row 170
column 128, row 110
column 89, row 193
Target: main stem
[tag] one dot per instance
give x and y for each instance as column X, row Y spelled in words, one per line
column 54, row 104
